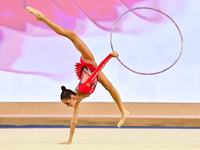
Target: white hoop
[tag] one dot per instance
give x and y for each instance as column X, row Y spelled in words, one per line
column 161, row 13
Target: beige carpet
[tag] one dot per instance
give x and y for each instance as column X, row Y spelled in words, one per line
column 100, row 139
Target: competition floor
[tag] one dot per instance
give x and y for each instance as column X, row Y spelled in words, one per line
column 100, row 139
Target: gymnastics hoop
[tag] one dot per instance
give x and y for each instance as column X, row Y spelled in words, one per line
column 154, row 73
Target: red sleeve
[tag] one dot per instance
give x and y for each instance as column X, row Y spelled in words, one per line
column 98, row 69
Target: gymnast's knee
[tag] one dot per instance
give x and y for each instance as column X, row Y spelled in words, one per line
column 69, row 34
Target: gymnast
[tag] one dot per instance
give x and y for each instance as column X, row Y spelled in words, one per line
column 88, row 72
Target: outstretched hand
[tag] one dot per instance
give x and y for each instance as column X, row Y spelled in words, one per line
column 114, row 54
column 68, row 142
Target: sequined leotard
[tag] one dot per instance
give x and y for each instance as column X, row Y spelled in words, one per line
column 84, row 68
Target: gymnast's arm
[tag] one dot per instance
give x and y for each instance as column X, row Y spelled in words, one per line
column 101, row 66
column 73, row 124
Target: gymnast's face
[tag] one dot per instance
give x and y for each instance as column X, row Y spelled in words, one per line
column 70, row 102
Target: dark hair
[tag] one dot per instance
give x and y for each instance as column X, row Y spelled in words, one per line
column 66, row 93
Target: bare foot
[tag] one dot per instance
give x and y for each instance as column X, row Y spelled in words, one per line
column 38, row 15
column 123, row 118
column 114, row 54
column 68, row 142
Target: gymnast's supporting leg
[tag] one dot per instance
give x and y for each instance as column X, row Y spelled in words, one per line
column 115, row 95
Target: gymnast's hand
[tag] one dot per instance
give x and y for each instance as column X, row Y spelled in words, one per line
column 68, row 142
column 114, row 54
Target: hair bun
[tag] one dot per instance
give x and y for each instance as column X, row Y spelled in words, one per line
column 63, row 88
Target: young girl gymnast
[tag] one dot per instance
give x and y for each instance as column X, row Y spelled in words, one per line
column 88, row 72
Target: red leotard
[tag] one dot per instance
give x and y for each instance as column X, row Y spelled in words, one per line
column 83, row 68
